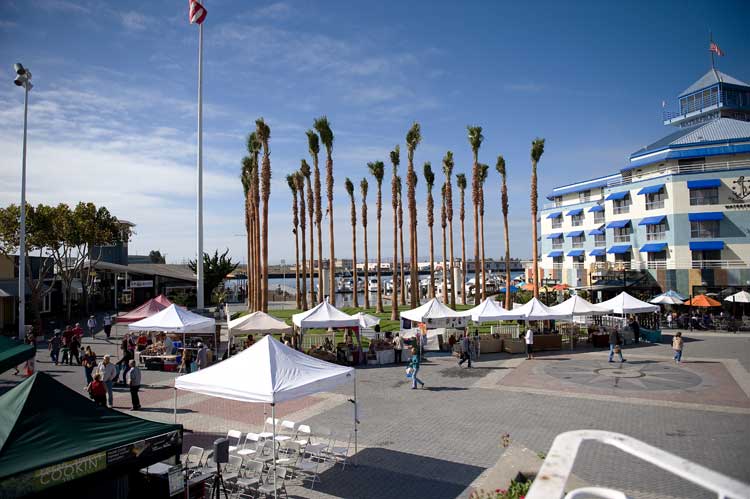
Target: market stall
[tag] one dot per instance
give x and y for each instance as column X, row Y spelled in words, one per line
column 535, row 310
column 368, row 324
column 256, row 323
column 192, row 327
column 625, row 304
column 151, row 307
column 576, row 306
column 326, row 316
column 43, row 452
column 434, row 320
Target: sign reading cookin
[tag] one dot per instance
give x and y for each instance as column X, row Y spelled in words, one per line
column 51, row 476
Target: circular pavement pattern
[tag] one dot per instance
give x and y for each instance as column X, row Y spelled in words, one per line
column 636, row 376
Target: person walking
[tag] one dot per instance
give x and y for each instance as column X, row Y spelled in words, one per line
column 89, row 363
column 54, row 346
column 134, row 382
column 98, row 390
column 108, row 376
column 398, row 347
column 669, row 320
column 201, row 358
column 477, row 346
column 185, row 362
column 75, row 350
column 78, row 330
column 465, row 351
column 615, row 341
column 529, row 338
column 636, row 328
column 91, row 323
column 124, row 364
column 677, row 347
column 107, row 325
column 414, row 366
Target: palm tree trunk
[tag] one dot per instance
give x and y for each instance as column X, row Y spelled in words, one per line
column 534, row 248
column 329, row 189
column 508, row 305
column 463, row 255
column 310, row 217
column 319, row 226
column 401, row 245
column 476, row 253
column 355, row 300
column 379, row 303
column 394, row 269
column 367, row 284
column 297, row 298
column 484, row 278
column 445, row 252
column 432, row 265
column 303, row 227
column 451, row 276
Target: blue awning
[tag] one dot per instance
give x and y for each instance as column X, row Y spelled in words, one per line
column 577, row 211
column 575, row 233
column 597, row 252
column 707, row 216
column 597, row 232
column 618, row 224
column 653, row 247
column 706, row 245
column 652, row 220
column 555, row 235
column 556, row 214
column 553, row 254
column 617, row 196
column 703, row 184
column 596, row 208
column 576, row 252
column 651, row 189
column 623, row 248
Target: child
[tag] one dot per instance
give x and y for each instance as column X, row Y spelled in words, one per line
column 677, row 347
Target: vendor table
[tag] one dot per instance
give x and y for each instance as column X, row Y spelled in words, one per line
column 385, row 356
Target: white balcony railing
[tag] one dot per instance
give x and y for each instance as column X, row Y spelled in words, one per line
column 578, row 265
column 655, row 205
column 599, row 217
column 556, row 225
column 719, row 264
column 619, row 210
column 557, row 266
column 622, row 238
column 557, row 245
column 655, row 236
column 655, row 264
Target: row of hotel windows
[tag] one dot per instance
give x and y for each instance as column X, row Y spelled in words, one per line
column 702, row 192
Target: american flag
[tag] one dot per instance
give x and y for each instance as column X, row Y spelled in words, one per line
column 715, row 49
column 197, row 13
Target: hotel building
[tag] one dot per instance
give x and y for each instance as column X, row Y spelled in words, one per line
column 676, row 217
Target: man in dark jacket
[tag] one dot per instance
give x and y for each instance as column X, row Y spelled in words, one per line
column 636, row 328
column 615, row 340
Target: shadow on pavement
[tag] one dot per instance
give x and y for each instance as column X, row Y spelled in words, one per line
column 383, row 473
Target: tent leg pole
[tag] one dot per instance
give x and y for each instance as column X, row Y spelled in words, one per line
column 273, row 449
column 354, row 458
column 175, row 405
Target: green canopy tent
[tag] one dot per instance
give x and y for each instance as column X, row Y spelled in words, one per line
column 13, row 353
column 51, row 435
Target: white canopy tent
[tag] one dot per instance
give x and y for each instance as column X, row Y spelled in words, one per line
column 268, row 372
column 324, row 315
column 740, row 297
column 257, row 323
column 174, row 319
column 575, row 305
column 487, row 311
column 535, row 310
column 434, row 313
column 626, row 304
column 367, row 321
column 665, row 299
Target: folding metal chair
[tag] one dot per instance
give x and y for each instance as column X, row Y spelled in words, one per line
column 234, row 437
column 268, row 488
column 194, row 457
column 340, row 454
column 268, row 428
column 287, row 431
column 250, row 446
column 304, row 433
column 251, row 475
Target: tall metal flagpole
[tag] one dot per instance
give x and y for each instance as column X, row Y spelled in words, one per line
column 199, row 260
column 22, row 237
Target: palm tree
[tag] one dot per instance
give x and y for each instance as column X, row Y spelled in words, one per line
column 475, row 140
column 395, row 189
column 537, row 149
column 264, row 134
column 254, row 146
column 246, row 176
column 461, row 183
column 313, row 145
column 350, row 190
column 292, row 183
column 377, row 170
column 401, row 240
column 299, row 179
column 500, row 167
column 363, row 190
column 448, row 171
column 413, row 138
column 326, row 137
column 429, row 178
column 483, row 169
column 445, row 257
column 305, row 171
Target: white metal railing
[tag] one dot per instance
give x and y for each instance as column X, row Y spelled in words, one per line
column 558, row 465
column 704, row 233
column 557, row 245
column 556, row 225
column 622, row 238
column 699, row 199
column 599, row 217
column 507, row 330
column 655, row 236
column 719, row 264
column 654, row 205
column 578, row 265
column 557, row 266
column 618, row 210
column 655, row 264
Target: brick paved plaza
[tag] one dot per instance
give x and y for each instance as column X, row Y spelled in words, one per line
column 443, row 441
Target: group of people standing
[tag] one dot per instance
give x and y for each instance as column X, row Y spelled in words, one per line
column 104, row 375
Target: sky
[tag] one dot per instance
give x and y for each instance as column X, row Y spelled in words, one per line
column 113, row 112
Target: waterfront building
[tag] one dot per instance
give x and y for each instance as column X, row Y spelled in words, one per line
column 677, row 216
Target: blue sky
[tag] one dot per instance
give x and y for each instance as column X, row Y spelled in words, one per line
column 113, row 118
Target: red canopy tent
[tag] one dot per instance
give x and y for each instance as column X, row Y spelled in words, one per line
column 148, row 309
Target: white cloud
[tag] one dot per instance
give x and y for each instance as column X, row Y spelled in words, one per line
column 134, row 21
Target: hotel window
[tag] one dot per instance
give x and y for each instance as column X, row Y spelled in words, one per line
column 600, row 240
column 621, row 205
column 704, row 228
column 557, row 223
column 578, row 261
column 622, row 235
column 557, row 262
column 578, row 241
column 655, row 201
column 558, row 201
column 657, row 260
column 600, row 258
column 656, row 232
column 700, row 197
column 557, row 243
column 706, row 259
column 584, row 196
column 576, row 220
column 599, row 217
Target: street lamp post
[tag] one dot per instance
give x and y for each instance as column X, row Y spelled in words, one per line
column 23, row 79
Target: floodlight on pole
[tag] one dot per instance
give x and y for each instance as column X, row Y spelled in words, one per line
column 23, row 79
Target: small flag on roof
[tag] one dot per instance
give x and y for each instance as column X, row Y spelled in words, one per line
column 197, row 13
column 716, row 49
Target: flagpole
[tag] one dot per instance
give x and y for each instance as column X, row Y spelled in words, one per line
column 199, row 261
column 711, row 42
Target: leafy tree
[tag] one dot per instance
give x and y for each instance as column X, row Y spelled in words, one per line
column 156, row 257
column 215, row 270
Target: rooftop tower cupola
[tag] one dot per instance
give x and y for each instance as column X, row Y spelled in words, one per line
column 714, row 95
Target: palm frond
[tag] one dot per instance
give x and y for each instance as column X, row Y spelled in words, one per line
column 537, row 149
column 323, row 127
column 413, row 136
column 475, row 137
column 429, row 176
column 313, row 143
column 304, row 169
column 396, row 157
column 500, row 166
column 377, row 170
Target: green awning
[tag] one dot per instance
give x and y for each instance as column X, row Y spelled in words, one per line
column 50, row 434
column 13, row 352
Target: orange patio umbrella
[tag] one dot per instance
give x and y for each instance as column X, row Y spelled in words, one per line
column 528, row 287
column 560, row 287
column 702, row 301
